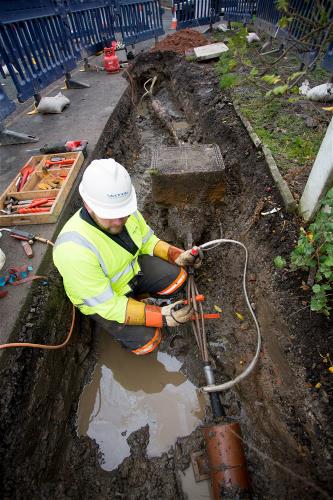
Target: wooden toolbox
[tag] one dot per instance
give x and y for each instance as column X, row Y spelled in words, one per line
column 47, row 179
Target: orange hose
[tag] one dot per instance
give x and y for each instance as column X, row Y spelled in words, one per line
column 43, row 346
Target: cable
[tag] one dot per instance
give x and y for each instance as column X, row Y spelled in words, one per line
column 150, row 91
column 250, row 367
column 44, row 346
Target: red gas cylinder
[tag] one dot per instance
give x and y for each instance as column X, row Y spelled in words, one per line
column 111, row 61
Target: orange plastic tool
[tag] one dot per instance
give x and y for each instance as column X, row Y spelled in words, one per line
column 59, row 162
column 198, row 298
column 206, row 316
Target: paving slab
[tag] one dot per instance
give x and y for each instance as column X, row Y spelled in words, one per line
column 85, row 118
column 210, row 51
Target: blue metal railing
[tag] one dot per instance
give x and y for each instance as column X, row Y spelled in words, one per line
column 327, row 62
column 197, row 12
column 91, row 24
column 6, row 105
column 267, row 18
column 302, row 31
column 37, row 43
column 240, row 10
column 41, row 40
column 139, row 20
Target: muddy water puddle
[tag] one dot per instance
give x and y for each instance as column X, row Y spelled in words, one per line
column 127, row 392
column 194, row 490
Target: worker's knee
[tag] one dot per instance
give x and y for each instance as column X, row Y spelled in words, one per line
column 151, row 345
column 136, row 338
column 175, row 284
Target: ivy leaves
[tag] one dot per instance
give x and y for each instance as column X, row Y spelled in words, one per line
column 314, row 250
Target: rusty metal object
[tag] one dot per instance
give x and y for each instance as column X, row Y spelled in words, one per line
column 200, row 465
column 226, row 460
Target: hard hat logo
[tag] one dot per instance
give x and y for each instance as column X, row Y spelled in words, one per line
column 97, row 179
column 118, row 195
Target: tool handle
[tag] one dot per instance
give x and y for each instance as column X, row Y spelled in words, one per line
column 32, row 210
column 195, row 251
column 24, row 234
column 27, row 249
column 206, row 316
column 65, row 161
column 17, row 237
column 198, row 298
column 54, row 148
column 41, row 201
column 43, row 240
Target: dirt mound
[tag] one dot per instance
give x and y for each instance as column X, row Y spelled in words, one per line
column 181, row 41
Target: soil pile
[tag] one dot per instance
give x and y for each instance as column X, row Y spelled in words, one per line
column 181, row 41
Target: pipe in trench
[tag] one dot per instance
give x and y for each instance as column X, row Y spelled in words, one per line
column 226, row 459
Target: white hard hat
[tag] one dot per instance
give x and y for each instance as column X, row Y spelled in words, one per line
column 107, row 189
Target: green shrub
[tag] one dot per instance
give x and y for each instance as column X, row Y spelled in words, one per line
column 314, row 250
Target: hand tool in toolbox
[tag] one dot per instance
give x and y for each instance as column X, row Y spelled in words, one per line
column 12, row 205
column 59, row 162
column 25, row 173
column 68, row 147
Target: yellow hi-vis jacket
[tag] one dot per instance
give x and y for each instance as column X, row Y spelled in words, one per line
column 95, row 269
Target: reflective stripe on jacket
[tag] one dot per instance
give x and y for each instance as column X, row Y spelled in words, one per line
column 95, row 269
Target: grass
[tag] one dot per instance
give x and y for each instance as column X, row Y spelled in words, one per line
column 280, row 122
column 285, row 133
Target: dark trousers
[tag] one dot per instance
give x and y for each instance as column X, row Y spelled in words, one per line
column 156, row 275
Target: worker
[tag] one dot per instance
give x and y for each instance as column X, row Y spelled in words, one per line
column 108, row 257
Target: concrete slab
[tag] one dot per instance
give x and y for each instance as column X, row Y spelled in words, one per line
column 86, row 118
column 210, row 51
column 198, row 167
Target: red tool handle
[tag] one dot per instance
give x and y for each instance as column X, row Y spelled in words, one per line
column 206, row 316
column 67, row 161
column 17, row 237
column 195, row 251
column 23, row 180
column 198, row 298
column 25, row 167
column 32, row 210
column 40, row 201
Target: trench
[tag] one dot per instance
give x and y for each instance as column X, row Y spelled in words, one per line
column 97, row 422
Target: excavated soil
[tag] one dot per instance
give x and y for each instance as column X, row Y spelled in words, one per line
column 285, row 420
column 181, row 42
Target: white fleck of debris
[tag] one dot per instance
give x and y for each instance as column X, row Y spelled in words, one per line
column 273, row 211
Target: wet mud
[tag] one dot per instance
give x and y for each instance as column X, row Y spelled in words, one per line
column 286, row 423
